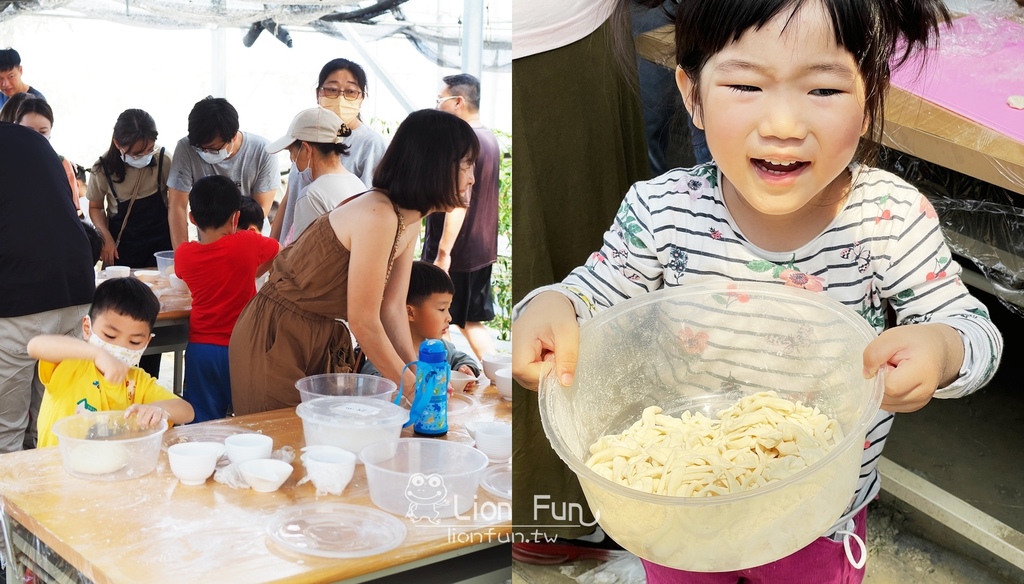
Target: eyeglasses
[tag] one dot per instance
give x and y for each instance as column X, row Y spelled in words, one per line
column 140, row 154
column 350, row 94
column 213, row 150
column 441, row 100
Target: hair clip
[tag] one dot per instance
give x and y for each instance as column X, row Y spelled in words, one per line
column 344, row 131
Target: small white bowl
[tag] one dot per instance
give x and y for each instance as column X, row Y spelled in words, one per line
column 265, row 475
column 503, row 381
column 329, row 468
column 248, row 446
column 493, row 439
column 194, row 462
column 495, row 361
column 460, row 380
column 118, row 271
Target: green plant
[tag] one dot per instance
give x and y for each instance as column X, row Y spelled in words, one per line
column 501, row 275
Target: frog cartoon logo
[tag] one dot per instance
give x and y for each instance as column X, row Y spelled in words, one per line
column 426, row 494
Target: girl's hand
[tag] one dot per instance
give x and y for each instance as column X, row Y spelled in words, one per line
column 545, row 331
column 915, row 359
column 112, row 369
column 109, row 253
column 146, row 415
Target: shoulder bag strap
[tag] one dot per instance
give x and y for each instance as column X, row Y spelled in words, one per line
column 124, row 223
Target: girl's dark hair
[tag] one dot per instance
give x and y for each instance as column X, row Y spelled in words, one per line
column 873, row 31
column 126, row 296
column 420, row 168
column 425, row 280
column 132, row 126
column 34, row 106
column 353, row 68
column 9, row 112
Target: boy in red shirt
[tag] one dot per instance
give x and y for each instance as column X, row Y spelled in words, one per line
column 220, row 270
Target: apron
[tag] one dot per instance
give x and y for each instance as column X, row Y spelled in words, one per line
column 147, row 230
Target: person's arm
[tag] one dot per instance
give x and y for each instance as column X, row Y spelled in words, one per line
column 369, row 235
column 266, row 201
column 278, row 223
column 945, row 344
column 268, row 248
column 57, row 348
column 291, row 191
column 99, row 219
column 177, row 216
column 176, row 410
column 394, row 314
column 453, row 221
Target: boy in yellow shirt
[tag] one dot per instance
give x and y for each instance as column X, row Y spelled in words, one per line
column 102, row 373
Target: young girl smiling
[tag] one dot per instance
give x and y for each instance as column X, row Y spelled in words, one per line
column 785, row 90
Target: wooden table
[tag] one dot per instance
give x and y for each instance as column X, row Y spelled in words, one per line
column 154, row 529
column 914, row 126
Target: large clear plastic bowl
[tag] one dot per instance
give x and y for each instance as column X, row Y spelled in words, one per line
column 350, row 423
column 423, row 478
column 106, row 446
column 651, row 350
column 347, row 384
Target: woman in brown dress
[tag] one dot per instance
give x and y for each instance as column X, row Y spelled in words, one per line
column 352, row 265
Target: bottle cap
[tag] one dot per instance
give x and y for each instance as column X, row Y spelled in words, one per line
column 433, row 351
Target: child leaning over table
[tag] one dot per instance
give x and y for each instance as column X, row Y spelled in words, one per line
column 430, row 294
column 102, row 372
column 220, row 271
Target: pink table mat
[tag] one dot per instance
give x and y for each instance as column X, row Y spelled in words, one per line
column 979, row 63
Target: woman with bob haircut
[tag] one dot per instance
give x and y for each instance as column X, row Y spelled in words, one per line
column 352, row 264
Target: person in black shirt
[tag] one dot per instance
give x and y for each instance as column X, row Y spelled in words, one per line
column 46, row 272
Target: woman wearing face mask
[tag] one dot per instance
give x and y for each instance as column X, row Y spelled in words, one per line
column 33, row 112
column 340, row 88
column 127, row 193
column 316, row 144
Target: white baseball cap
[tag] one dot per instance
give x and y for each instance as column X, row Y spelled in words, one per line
column 312, row 125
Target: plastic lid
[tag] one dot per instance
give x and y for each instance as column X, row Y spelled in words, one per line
column 433, row 351
column 497, row 481
column 352, row 411
column 336, row 530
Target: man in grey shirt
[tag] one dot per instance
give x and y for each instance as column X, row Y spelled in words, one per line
column 215, row 146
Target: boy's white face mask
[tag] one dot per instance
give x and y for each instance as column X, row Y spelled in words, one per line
column 129, row 357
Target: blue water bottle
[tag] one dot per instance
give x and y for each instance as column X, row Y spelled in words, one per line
column 433, row 373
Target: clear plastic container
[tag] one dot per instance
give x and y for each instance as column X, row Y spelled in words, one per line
column 702, row 348
column 351, row 422
column 423, row 478
column 165, row 262
column 106, row 446
column 345, row 384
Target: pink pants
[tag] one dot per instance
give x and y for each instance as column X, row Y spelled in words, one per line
column 823, row 561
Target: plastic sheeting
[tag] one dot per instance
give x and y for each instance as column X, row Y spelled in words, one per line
column 434, row 27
